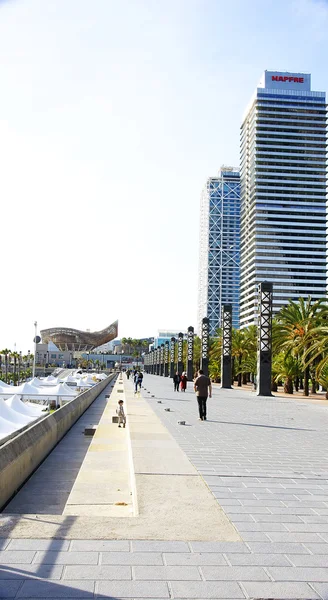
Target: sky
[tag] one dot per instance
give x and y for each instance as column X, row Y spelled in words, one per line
column 113, row 113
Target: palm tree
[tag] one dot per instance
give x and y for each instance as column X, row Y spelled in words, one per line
column 286, row 367
column 16, row 357
column 322, row 377
column 238, row 351
column 6, row 352
column 295, row 330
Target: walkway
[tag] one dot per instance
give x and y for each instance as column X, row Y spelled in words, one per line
column 266, row 463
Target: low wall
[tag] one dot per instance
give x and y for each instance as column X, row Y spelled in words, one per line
column 20, row 456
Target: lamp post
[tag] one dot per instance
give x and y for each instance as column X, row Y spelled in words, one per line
column 35, row 342
column 122, row 352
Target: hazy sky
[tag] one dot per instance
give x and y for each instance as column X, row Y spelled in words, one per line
column 112, row 115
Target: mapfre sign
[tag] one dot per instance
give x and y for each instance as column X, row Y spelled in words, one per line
column 285, row 78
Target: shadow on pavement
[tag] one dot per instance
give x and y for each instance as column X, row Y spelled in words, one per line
column 259, row 425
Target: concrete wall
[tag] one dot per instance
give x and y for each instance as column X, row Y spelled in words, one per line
column 20, row 456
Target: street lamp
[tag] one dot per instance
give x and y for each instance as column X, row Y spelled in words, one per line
column 122, row 352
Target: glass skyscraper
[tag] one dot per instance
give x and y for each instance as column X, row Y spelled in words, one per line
column 283, row 192
column 219, row 248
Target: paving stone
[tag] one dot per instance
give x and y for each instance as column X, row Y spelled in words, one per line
column 264, row 527
column 16, row 556
column 4, row 543
column 294, row 537
column 275, row 548
column 298, row 573
column 280, row 591
column 100, row 545
column 133, row 558
column 219, row 547
column 321, row 589
column 193, row 558
column 22, row 571
column 56, row 589
column 66, row 558
column 36, row 544
column 262, row 560
column 98, row 572
column 206, row 589
column 308, row 560
column 9, row 588
column 255, row 536
column 133, row 589
column 170, row 573
column 276, row 518
column 153, row 546
column 236, row 573
column 317, row 548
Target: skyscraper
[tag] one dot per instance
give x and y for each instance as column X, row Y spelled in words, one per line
column 219, row 247
column 283, row 192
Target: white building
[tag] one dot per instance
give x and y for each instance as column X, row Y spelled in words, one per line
column 283, row 192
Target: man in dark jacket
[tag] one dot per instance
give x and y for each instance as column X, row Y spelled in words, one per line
column 176, row 381
column 203, row 389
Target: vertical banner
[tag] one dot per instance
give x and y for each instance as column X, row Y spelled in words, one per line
column 166, row 359
column 205, row 344
column 180, row 353
column 172, row 356
column 226, row 359
column 264, row 348
column 190, row 354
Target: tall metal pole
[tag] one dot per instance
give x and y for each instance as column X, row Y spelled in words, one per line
column 162, row 361
column 264, row 348
column 205, row 344
column 226, row 361
column 190, row 354
column 158, row 357
column 180, row 353
column 166, row 359
column 172, row 356
column 35, row 334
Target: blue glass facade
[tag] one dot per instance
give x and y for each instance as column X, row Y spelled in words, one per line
column 219, row 268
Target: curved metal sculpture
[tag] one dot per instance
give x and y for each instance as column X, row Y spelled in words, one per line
column 73, row 339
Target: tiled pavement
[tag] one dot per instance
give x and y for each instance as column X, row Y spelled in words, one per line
column 265, row 461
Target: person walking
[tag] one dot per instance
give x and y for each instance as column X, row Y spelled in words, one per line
column 203, row 389
column 176, row 381
column 140, row 379
column 183, row 384
column 136, row 381
column 121, row 414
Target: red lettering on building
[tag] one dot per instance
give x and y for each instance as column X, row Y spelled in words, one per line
column 286, row 78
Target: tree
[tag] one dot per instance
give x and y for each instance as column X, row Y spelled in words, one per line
column 296, row 326
column 287, row 368
column 238, row 350
column 322, row 377
column 16, row 357
column 6, row 352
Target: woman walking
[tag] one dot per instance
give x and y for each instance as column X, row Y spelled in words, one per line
column 183, row 384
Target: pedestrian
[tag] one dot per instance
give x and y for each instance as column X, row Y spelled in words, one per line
column 135, row 381
column 176, row 381
column 140, row 379
column 183, row 384
column 128, row 373
column 121, row 414
column 203, row 388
